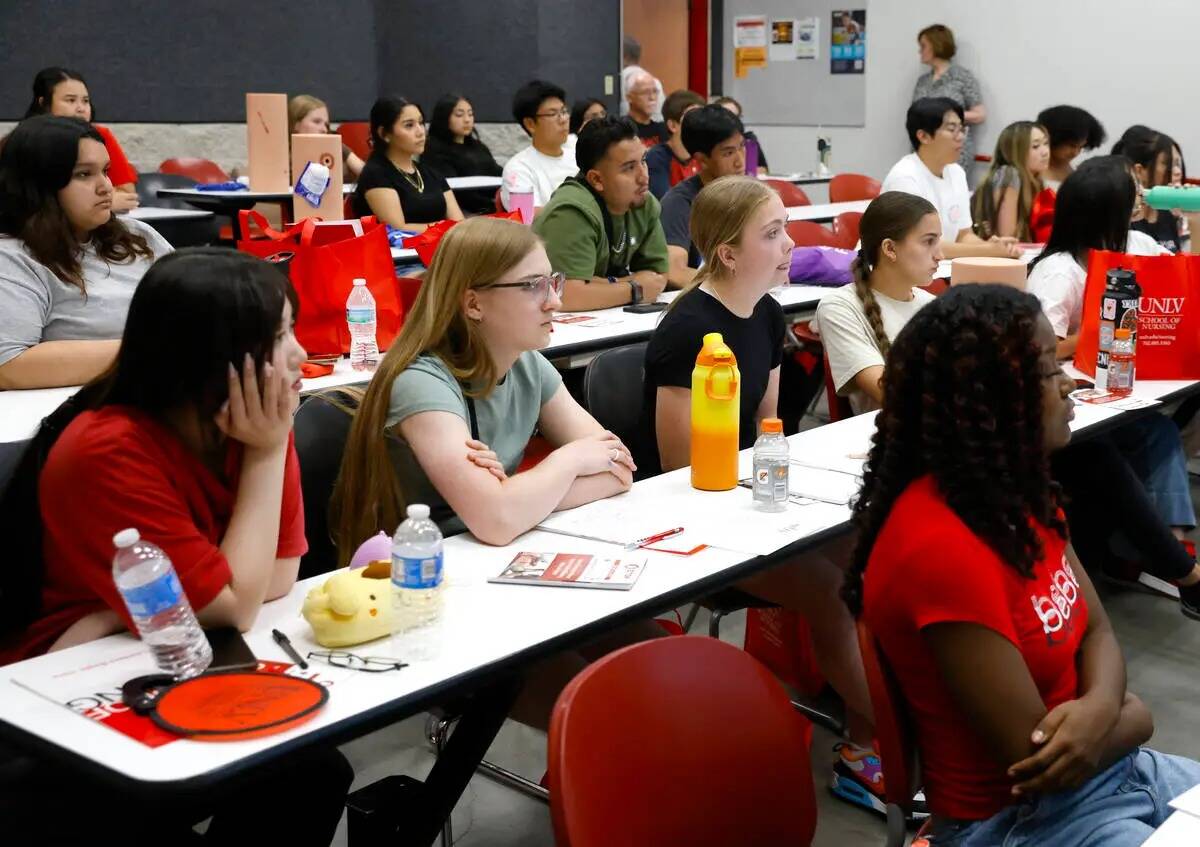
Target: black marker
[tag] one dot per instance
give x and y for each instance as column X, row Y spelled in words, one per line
column 282, row 641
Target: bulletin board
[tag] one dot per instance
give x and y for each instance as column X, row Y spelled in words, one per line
column 800, row 92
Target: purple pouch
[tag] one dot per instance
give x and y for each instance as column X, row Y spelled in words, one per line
column 821, row 266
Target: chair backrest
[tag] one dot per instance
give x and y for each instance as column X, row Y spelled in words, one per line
column 357, row 136
column 845, row 228
column 181, row 233
column 148, row 185
column 937, row 287
column 612, row 394
column 321, row 429
column 810, row 234
column 645, row 749
column 893, row 727
column 844, row 187
column 197, row 170
column 790, row 193
column 499, row 203
column 839, row 407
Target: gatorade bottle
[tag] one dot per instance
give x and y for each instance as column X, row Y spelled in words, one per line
column 1121, row 364
column 716, row 408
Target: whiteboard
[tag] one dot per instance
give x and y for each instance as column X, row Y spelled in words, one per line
column 801, row 92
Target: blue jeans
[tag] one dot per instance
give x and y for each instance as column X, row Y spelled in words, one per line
column 1118, row 807
column 1155, row 452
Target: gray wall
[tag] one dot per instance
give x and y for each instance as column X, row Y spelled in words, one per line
column 191, row 61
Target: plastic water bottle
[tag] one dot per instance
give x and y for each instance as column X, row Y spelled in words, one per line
column 417, row 579
column 156, row 602
column 1121, row 364
column 771, row 467
column 360, row 316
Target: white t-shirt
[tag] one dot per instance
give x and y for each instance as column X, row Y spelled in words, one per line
column 948, row 193
column 541, row 172
column 1059, row 282
column 850, row 342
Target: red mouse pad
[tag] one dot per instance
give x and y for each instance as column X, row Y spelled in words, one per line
column 235, row 706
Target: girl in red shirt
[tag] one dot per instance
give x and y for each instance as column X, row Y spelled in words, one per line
column 63, row 92
column 964, row 574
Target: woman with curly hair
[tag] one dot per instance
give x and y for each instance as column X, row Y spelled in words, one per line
column 965, row 575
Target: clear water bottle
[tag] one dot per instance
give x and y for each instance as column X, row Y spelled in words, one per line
column 1121, row 364
column 360, row 317
column 156, row 602
column 771, row 467
column 417, row 579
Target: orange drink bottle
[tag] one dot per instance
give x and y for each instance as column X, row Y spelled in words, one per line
column 716, row 405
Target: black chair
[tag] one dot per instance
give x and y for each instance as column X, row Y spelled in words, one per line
column 612, row 393
column 181, row 233
column 321, row 427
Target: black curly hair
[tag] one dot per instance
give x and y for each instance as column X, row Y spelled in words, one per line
column 962, row 402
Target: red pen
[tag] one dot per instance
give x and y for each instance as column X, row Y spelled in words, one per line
column 653, row 539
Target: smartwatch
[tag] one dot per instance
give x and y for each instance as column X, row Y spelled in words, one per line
column 636, row 291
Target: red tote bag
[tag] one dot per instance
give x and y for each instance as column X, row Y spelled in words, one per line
column 325, row 263
column 1168, row 335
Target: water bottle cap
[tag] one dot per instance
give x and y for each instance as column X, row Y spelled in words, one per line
column 772, row 425
column 359, row 281
column 126, row 538
column 1122, row 333
column 418, row 511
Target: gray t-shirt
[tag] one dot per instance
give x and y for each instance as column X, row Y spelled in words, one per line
column 676, row 217
column 507, row 418
column 37, row 306
column 850, row 342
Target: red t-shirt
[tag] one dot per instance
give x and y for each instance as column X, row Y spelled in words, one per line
column 120, row 171
column 682, row 170
column 115, row 468
column 926, row 568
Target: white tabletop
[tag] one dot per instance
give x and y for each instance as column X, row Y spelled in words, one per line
column 1179, row 830
column 404, row 254
column 825, row 212
column 800, row 178
column 455, row 182
column 150, row 214
column 460, row 183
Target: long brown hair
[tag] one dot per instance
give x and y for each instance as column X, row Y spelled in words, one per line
column 36, row 162
column 720, row 214
column 1012, row 151
column 368, row 495
column 891, row 216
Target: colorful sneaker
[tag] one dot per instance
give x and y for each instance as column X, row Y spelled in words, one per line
column 858, row 777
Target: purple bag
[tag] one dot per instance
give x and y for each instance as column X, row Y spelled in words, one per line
column 821, row 266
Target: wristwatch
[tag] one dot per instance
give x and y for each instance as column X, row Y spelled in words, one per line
column 636, row 290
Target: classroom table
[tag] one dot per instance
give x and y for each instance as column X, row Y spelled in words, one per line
column 800, row 178
column 155, row 214
column 825, row 212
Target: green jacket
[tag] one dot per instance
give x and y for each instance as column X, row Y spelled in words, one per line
column 572, row 227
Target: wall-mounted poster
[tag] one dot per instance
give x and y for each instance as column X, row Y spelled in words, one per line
column 848, row 42
column 783, row 40
column 808, row 38
column 749, row 44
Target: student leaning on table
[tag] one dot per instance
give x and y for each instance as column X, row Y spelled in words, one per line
column 965, row 575
column 188, row 439
column 398, row 190
column 447, row 416
column 602, row 227
column 63, row 92
column 739, row 226
column 901, row 247
column 935, row 128
column 68, row 266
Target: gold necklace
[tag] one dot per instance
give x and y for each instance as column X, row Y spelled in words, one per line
column 418, row 183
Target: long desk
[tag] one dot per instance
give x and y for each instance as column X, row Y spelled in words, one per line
column 825, row 212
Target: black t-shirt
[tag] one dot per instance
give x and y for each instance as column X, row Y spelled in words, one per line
column 420, row 207
column 756, row 342
column 652, row 132
column 471, row 158
column 676, row 217
column 1164, row 230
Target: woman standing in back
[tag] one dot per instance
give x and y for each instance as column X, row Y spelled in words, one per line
column 947, row 79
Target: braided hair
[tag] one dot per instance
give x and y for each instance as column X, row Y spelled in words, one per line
column 963, row 403
column 891, row 215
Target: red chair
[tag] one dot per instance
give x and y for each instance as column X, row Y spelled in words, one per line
column 790, row 194
column 839, row 407
column 644, row 749
column 936, row 287
column 357, row 136
column 845, row 227
column 844, row 187
column 202, row 171
column 893, row 731
column 809, row 234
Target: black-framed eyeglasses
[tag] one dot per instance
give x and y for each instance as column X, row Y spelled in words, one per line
column 564, row 112
column 355, row 662
column 540, row 286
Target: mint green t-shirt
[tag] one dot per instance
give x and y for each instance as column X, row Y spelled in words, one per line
column 507, row 418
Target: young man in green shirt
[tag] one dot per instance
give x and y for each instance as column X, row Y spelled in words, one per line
column 601, row 227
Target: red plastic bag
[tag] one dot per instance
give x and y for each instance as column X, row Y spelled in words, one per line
column 426, row 243
column 781, row 640
column 1168, row 334
column 325, row 263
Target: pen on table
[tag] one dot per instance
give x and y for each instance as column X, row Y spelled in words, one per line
column 652, row 539
column 282, row 641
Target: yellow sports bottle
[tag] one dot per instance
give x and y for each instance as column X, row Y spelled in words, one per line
column 716, row 406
